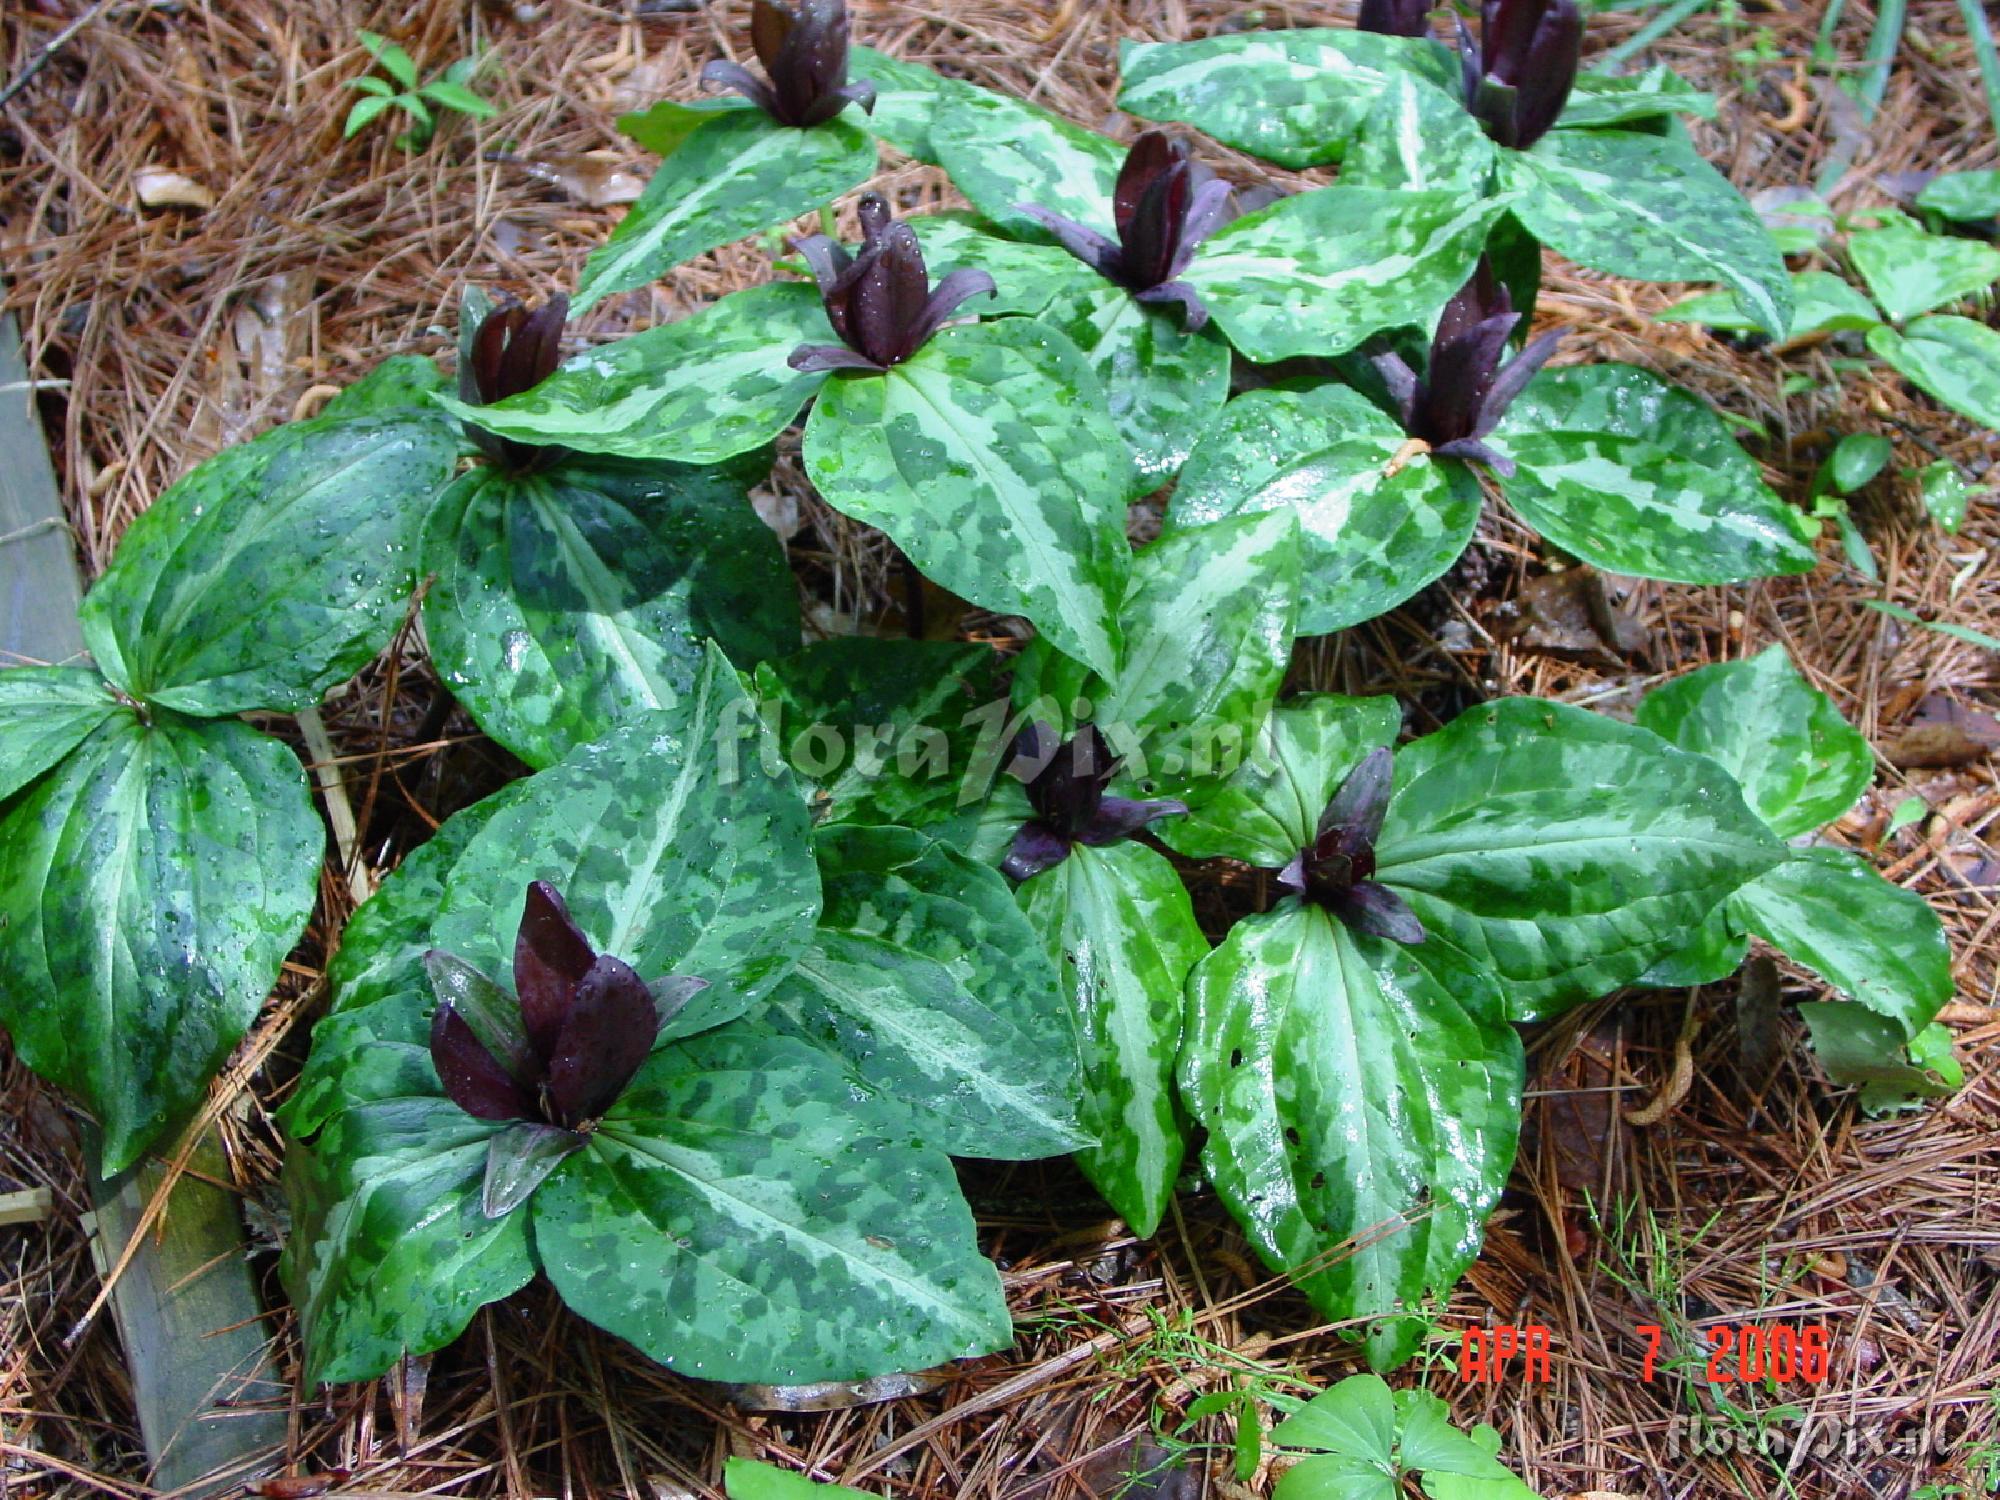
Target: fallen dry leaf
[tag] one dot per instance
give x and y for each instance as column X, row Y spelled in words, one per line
column 1944, row 733
column 159, row 188
column 1571, row 613
column 596, row 178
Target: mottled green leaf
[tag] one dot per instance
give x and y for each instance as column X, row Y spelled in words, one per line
column 46, row 712
column 1270, row 808
column 1874, row 942
column 1799, row 763
column 1638, row 476
column 677, row 850
column 1026, row 277
column 1858, row 1047
column 1911, row 272
column 1966, row 196
column 698, row 390
column 1600, row 99
column 663, row 128
column 1716, row 951
column 1003, row 152
column 1163, row 385
column 274, row 570
column 906, row 97
column 989, row 459
column 1953, row 358
column 1369, row 539
column 885, row 731
column 399, row 382
column 390, row 1252
column 733, row 175
column 1650, row 208
column 150, row 887
column 1420, row 138
column 566, row 601
column 1120, row 928
column 740, row 1215
column 1292, row 97
column 1564, row 852
column 1353, row 1089
column 1821, row 303
column 364, row 1055
column 1317, row 273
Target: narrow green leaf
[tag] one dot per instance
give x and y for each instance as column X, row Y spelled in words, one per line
column 698, row 390
column 1953, row 358
column 566, row 601
column 1943, row 627
column 734, row 175
column 457, row 96
column 519, row 1159
column 46, row 712
column 1638, row 476
column 150, row 887
column 1369, row 539
column 394, row 60
column 1003, row 152
column 989, row 459
column 739, row 1215
column 1119, row 926
column 274, row 570
column 380, row 87
column 1911, row 272
column 364, row 113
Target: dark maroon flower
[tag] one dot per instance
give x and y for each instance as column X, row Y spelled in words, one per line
column 1468, row 382
column 880, row 299
column 1066, row 785
column 1395, row 17
column 1335, row 870
column 1518, row 75
column 1164, row 205
column 803, row 49
column 579, row 1027
column 514, row 350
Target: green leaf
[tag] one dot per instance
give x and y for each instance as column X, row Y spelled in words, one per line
column 379, row 87
column 1270, row 808
column 1799, row 763
column 1292, row 97
column 150, row 887
column 457, row 96
column 1352, row 1089
column 1964, row 633
column 390, row 1250
column 1953, row 358
column 746, row 1479
column 736, row 174
column 1716, row 951
column 274, row 570
column 698, row 390
column 1638, row 476
column 1163, row 385
column 1318, row 273
column 1821, row 303
column 1118, row 923
column 1946, row 495
column 1327, row 1478
column 739, row 1215
column 1369, row 539
column 402, row 382
column 570, row 600
column 1027, row 278
column 1858, row 1047
column 677, row 852
column 394, row 60
column 1355, row 1418
column 989, row 459
column 1003, row 153
column 46, row 712
column 363, row 114
column 931, row 986
column 663, row 127
column 1648, row 207
column 885, row 730
column 1419, row 138
column 906, row 98
column 1911, row 272
column 1968, row 197
column 1564, row 852
column 1874, row 942
column 1600, row 99
column 1857, row 458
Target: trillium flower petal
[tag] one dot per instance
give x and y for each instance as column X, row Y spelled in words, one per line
column 945, row 299
column 551, row 956
column 1121, row 817
column 1036, row 848
column 607, row 1034
column 1376, row 909
column 473, row 1078
column 814, row 358
column 1194, row 311
column 1098, row 251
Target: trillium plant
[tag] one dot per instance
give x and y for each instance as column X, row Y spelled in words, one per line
column 691, row 1018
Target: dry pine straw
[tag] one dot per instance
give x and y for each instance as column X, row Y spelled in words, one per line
column 166, row 334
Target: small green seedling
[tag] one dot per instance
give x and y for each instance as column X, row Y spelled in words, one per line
column 1856, row 459
column 452, row 90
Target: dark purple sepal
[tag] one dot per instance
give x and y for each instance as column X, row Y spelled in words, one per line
column 1357, row 810
column 1395, row 17
column 551, row 956
column 1211, row 207
column 1254, row 197
column 610, row 1029
column 739, row 79
column 1036, row 847
column 473, row 1078
column 1401, row 383
column 814, row 358
column 1477, row 451
column 672, row 994
column 1194, row 311
column 1121, row 817
column 519, row 1160
column 1514, row 378
column 860, row 92
column 1378, row 911
column 1093, row 247
column 1463, row 365
column 946, row 298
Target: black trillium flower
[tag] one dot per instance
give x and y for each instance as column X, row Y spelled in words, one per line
column 586, row 1022
column 1468, row 382
column 513, row 350
column 1164, row 205
column 1066, row 785
column 803, row 50
column 1335, row 870
column 1518, row 75
column 1395, row 17
column 879, row 300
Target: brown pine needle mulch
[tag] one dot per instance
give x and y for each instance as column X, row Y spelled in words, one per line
column 1687, row 1166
